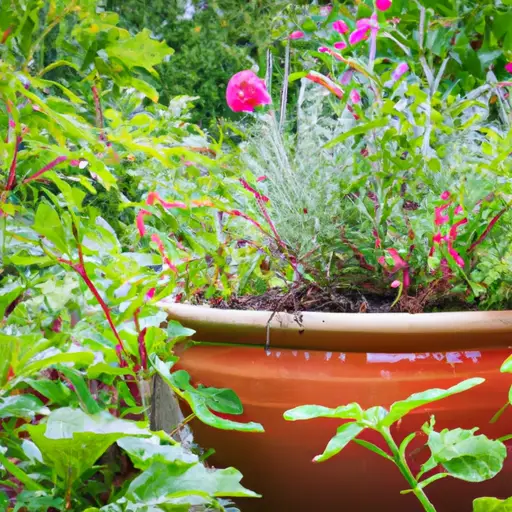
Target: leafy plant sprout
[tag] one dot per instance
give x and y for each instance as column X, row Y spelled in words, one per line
column 457, row 453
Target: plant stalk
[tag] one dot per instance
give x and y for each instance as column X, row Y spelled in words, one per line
column 406, row 472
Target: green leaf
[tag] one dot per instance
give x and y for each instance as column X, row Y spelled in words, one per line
column 177, row 332
column 143, row 452
column 96, row 370
column 77, row 358
column 19, row 474
column 72, row 441
column 140, row 51
column 55, row 391
column 198, row 403
column 373, row 448
column 166, row 480
column 22, row 406
column 492, row 505
column 48, row 223
column 81, row 389
column 466, row 456
column 307, row 412
column 346, row 433
column 506, row 367
column 358, row 130
column 199, row 406
column 222, row 400
column 400, row 409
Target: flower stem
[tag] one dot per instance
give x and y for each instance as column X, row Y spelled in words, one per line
column 401, row 463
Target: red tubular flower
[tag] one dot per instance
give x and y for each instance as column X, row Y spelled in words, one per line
column 455, row 255
column 161, row 249
column 140, row 221
column 325, row 82
column 453, row 229
column 441, row 219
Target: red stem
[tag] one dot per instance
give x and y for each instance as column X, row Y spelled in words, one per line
column 11, row 180
column 484, row 235
column 5, row 35
column 142, row 349
column 48, row 167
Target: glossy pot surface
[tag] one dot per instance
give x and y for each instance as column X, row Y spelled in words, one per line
column 278, row 464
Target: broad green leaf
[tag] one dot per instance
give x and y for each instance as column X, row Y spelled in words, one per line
column 307, row 412
column 72, row 441
column 48, row 223
column 140, row 51
column 77, row 358
column 56, row 391
column 177, row 332
column 98, row 369
column 466, row 456
column 168, row 479
column 222, row 400
column 492, row 505
column 22, row 406
column 143, row 452
column 346, row 433
column 400, row 409
column 199, row 406
column 19, row 474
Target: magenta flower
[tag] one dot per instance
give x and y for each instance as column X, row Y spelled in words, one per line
column 325, row 10
column 395, row 284
column 246, row 91
column 383, row 5
column 364, row 26
column 140, row 221
column 445, row 195
column 297, row 34
column 459, row 210
column 355, row 97
column 340, row 26
column 323, row 49
column 340, row 45
column 399, row 71
column 346, row 77
column 453, row 229
column 508, row 67
column 441, row 219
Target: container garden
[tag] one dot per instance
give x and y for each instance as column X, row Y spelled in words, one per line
column 333, row 359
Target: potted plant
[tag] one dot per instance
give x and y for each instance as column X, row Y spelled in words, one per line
column 379, row 262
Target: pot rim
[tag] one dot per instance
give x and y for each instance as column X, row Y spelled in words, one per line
column 350, row 332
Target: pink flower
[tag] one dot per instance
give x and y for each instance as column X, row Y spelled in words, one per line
column 508, row 67
column 12, row 124
column 325, row 10
column 340, row 26
column 459, row 210
column 355, row 97
column 383, row 5
column 364, row 26
column 441, row 219
column 395, row 284
column 150, row 294
column 323, row 49
column 297, row 34
column 246, row 91
column 399, row 71
column 445, row 195
column 340, row 45
column 261, row 178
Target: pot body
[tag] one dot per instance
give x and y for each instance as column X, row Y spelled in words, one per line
column 278, row 463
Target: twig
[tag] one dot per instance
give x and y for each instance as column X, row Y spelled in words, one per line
column 284, row 89
column 99, row 112
column 46, row 168
column 11, row 180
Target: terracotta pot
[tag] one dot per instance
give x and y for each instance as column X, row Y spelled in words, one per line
column 333, row 359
